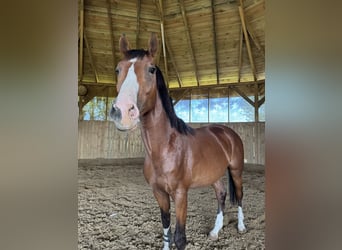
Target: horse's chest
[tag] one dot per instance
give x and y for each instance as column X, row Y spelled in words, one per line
column 163, row 175
column 166, row 182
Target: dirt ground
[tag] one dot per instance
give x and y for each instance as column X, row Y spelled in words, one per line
column 117, row 210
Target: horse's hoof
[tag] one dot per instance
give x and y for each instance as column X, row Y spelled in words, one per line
column 213, row 236
column 242, row 229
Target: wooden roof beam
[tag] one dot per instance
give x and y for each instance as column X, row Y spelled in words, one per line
column 240, row 54
column 260, row 48
column 180, row 97
column 214, row 41
column 249, row 50
column 180, row 84
column 161, row 16
column 110, row 20
column 81, row 29
column 261, row 101
column 243, row 95
column 91, row 58
column 138, row 23
column 187, row 32
column 166, row 45
column 227, row 84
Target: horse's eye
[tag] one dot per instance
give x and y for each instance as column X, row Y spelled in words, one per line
column 117, row 71
column 152, row 70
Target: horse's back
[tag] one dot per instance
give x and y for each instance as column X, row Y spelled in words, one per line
column 214, row 148
column 221, row 133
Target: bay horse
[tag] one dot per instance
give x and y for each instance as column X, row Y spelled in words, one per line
column 177, row 157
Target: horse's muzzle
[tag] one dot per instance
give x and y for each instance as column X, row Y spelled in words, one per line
column 125, row 118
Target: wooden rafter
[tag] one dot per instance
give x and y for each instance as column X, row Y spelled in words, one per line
column 164, row 53
column 81, row 28
column 109, row 8
column 240, row 54
column 180, row 97
column 161, row 17
column 166, row 43
column 256, row 102
column 187, row 32
column 215, row 42
column 243, row 95
column 180, row 84
column 226, row 84
column 138, row 23
column 261, row 89
column 261, row 101
column 91, row 58
column 255, row 40
column 159, row 11
column 249, row 50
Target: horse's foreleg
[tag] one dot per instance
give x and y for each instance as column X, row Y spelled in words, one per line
column 181, row 211
column 163, row 199
column 221, row 193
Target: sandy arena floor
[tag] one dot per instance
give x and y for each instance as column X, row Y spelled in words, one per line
column 117, row 210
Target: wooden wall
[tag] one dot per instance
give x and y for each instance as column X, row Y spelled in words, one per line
column 101, row 140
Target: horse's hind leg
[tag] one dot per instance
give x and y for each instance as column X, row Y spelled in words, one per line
column 236, row 192
column 221, row 193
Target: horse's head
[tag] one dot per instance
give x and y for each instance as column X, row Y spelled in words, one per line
column 136, row 84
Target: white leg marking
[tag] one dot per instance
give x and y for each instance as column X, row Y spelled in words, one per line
column 166, row 238
column 218, row 225
column 241, row 225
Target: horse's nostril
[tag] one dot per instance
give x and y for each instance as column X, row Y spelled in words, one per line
column 115, row 113
column 133, row 111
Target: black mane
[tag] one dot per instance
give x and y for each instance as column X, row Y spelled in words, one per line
column 175, row 122
column 136, row 53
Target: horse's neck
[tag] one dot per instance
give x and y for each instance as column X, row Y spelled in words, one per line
column 155, row 129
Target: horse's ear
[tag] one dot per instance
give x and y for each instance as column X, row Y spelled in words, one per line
column 123, row 44
column 153, row 44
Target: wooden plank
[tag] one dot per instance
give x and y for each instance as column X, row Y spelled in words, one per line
column 109, row 8
column 138, row 23
column 215, row 42
column 255, row 41
column 161, row 14
column 179, row 80
column 250, row 56
column 91, row 58
column 166, row 75
column 187, row 32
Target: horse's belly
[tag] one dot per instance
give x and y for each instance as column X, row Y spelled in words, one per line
column 206, row 175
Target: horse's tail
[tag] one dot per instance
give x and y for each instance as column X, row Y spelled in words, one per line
column 232, row 189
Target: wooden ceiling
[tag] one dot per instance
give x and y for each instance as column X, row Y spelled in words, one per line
column 203, row 43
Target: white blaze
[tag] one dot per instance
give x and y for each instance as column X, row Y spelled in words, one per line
column 127, row 98
column 130, row 87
